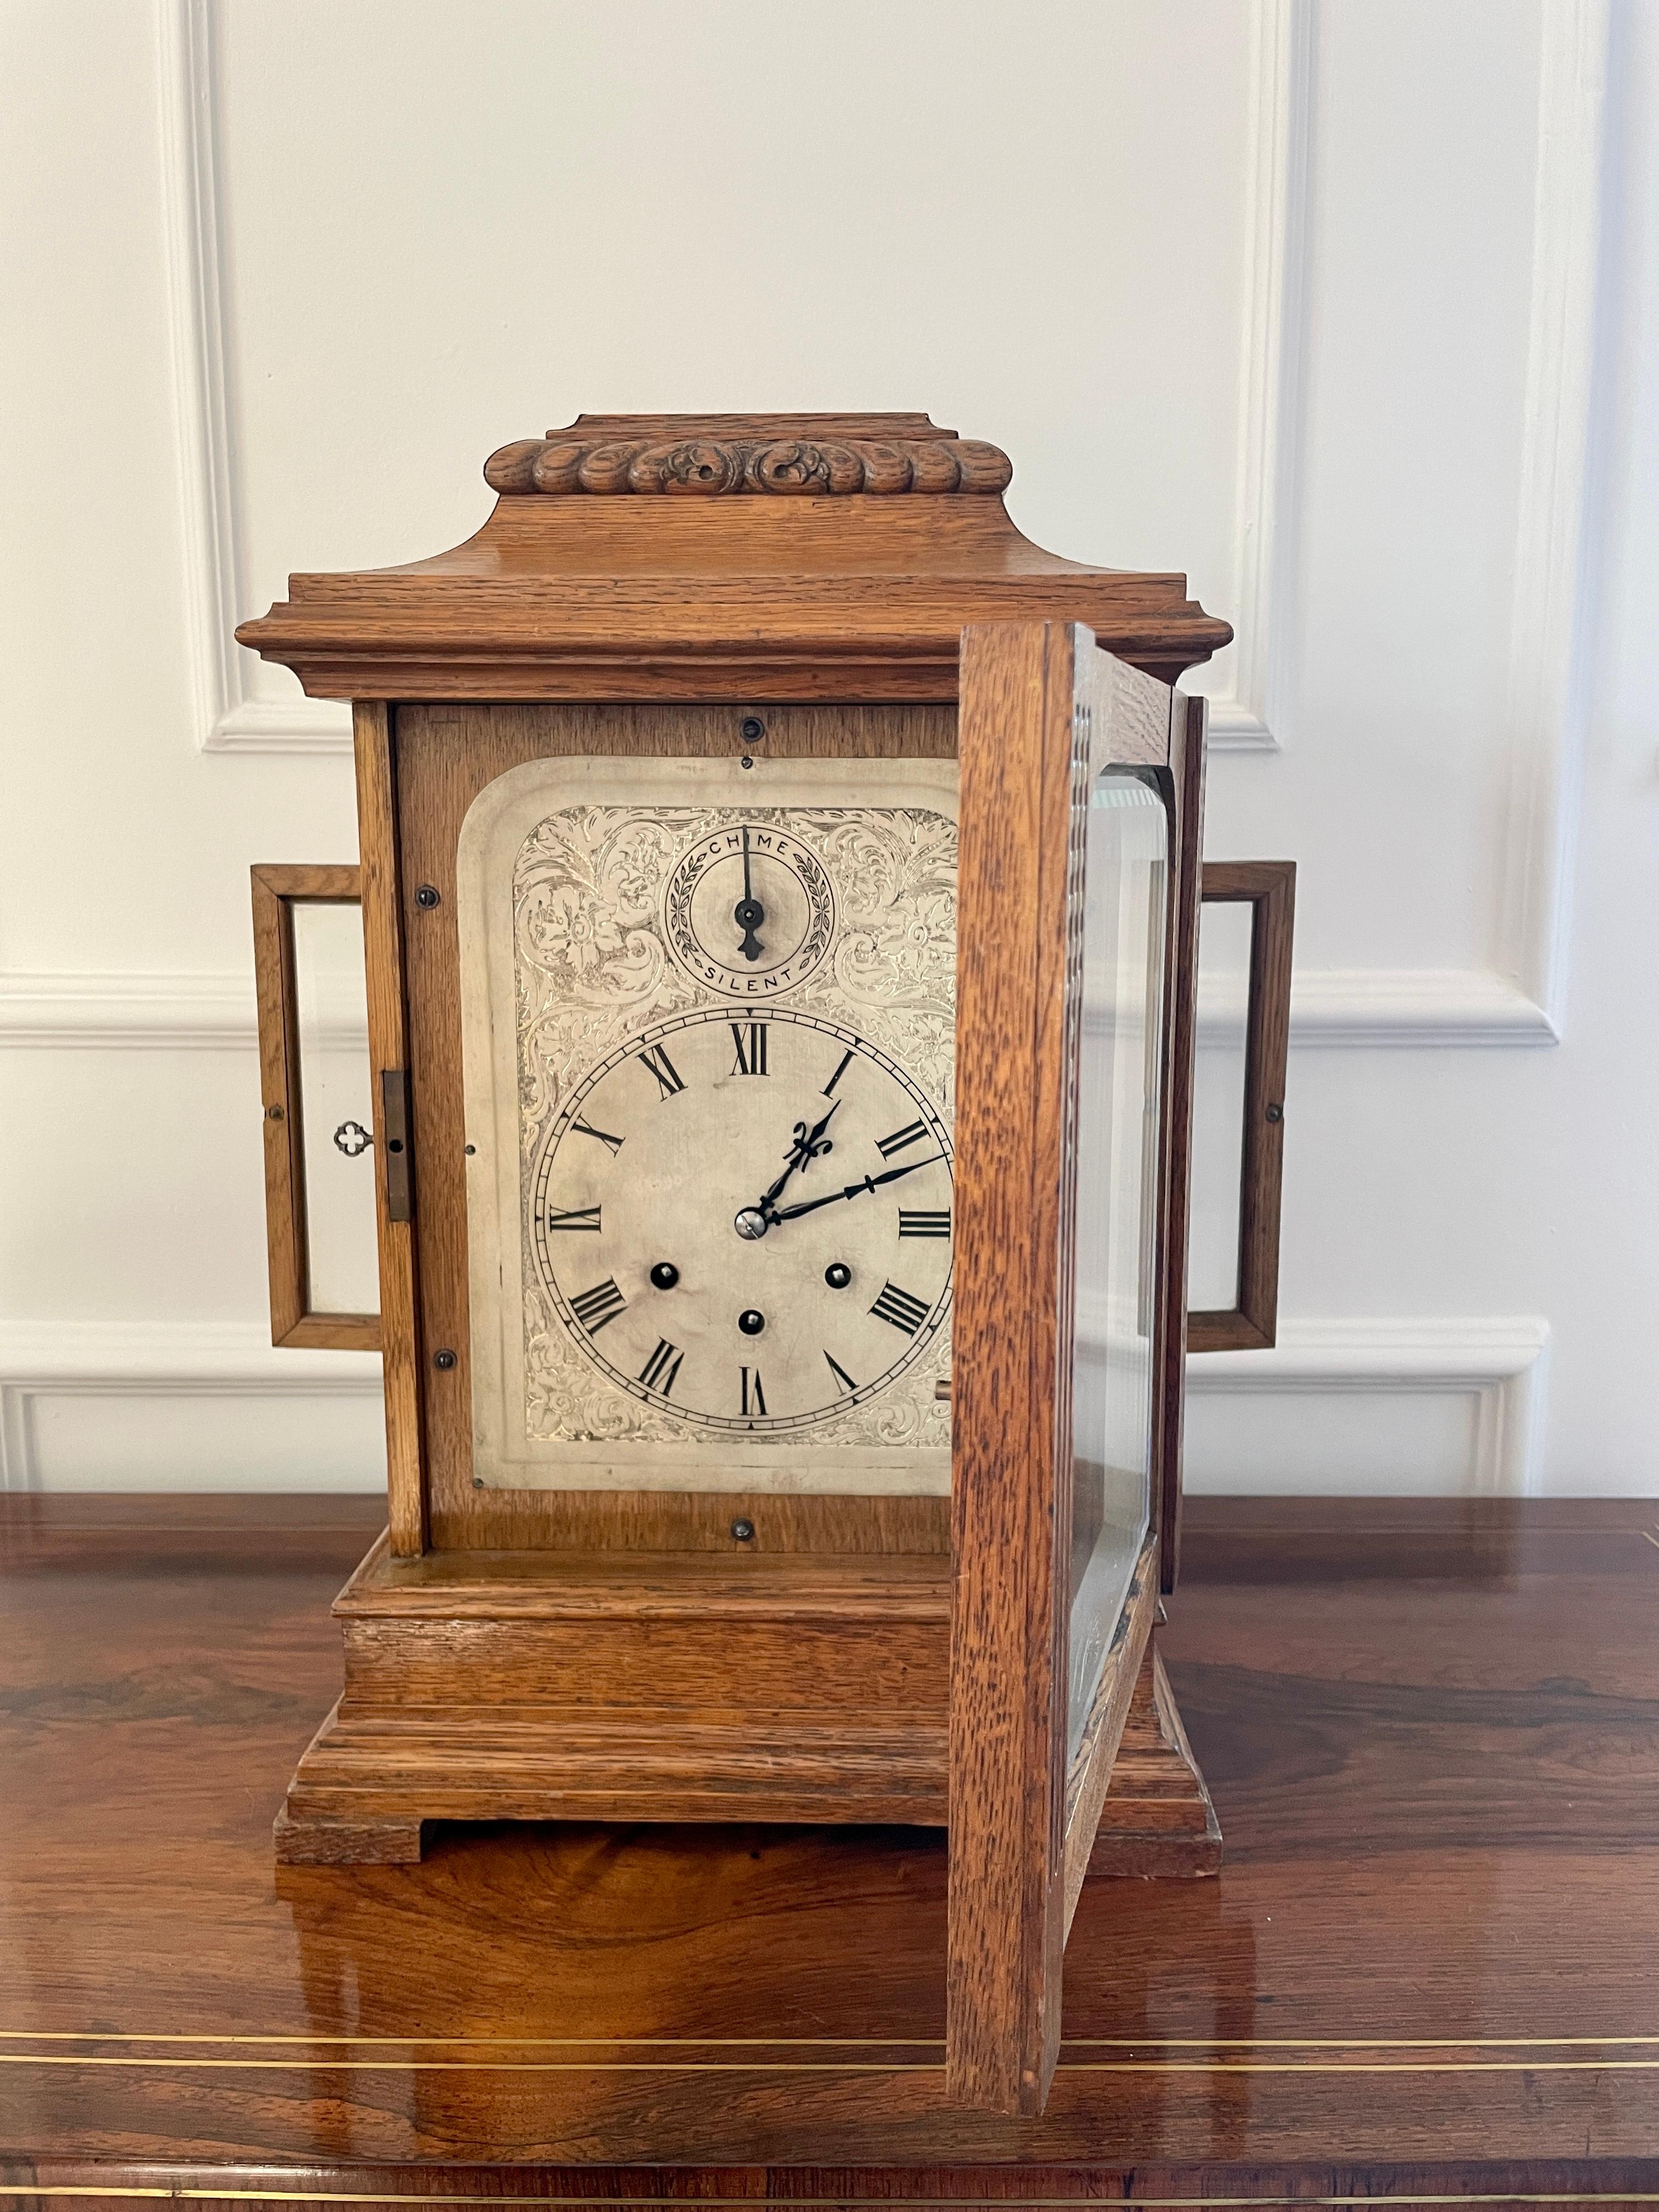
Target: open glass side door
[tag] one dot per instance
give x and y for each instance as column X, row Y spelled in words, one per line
column 1081, row 790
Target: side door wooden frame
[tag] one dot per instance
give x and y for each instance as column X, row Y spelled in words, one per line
column 276, row 890
column 1268, row 888
column 1021, row 1826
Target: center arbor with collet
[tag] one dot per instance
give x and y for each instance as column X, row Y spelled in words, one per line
column 753, row 1222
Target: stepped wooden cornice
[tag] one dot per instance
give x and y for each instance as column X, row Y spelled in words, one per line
column 718, row 557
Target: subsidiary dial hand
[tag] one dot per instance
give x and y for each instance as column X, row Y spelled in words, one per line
column 855, row 1190
column 749, row 913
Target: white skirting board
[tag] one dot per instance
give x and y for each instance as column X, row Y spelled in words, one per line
column 1369, row 1406
column 1354, row 1404
column 191, row 1405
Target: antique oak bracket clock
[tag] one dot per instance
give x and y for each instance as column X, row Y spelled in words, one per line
column 780, row 892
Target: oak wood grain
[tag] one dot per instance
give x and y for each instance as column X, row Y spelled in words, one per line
column 1042, row 711
column 828, row 593
column 285, row 1225
column 621, row 1684
column 747, row 1764
column 1265, row 1068
column 314, row 1841
column 804, row 579
column 735, row 456
column 1162, row 1820
column 615, row 1583
column 388, row 1045
column 1009, row 1437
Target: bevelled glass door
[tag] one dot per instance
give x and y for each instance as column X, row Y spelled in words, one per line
column 1118, row 1151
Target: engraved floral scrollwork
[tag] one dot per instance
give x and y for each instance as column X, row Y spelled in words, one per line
column 568, row 1401
column 585, row 892
column 897, row 950
column 593, row 968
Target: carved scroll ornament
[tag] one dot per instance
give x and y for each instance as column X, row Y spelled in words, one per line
column 787, row 467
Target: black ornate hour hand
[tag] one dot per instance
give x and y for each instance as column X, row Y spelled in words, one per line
column 749, row 913
column 853, row 1189
column 808, row 1144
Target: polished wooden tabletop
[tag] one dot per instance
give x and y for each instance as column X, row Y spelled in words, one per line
column 1427, row 1971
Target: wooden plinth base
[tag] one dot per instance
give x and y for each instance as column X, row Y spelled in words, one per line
column 334, row 1842
column 541, row 1688
column 1157, row 1818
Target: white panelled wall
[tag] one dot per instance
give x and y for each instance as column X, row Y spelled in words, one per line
column 1349, row 310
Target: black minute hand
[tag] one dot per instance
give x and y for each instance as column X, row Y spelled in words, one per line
column 855, row 1190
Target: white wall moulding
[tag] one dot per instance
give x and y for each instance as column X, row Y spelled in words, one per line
column 135, row 1373
column 1521, row 1000
column 281, row 725
column 1359, row 1008
column 1500, row 1363
column 230, row 718
column 1337, row 235
column 177, row 1012
column 1406, row 1007
column 196, row 331
column 170, row 1379
column 1270, row 394
column 1548, row 689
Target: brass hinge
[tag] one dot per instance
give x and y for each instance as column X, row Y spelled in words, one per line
column 394, row 1111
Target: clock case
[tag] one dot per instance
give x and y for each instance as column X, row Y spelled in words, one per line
column 781, row 587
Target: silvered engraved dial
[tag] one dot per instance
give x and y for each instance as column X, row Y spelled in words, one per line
column 742, row 1217
column 701, row 1001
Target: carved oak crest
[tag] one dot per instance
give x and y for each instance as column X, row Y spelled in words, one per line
column 565, row 461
